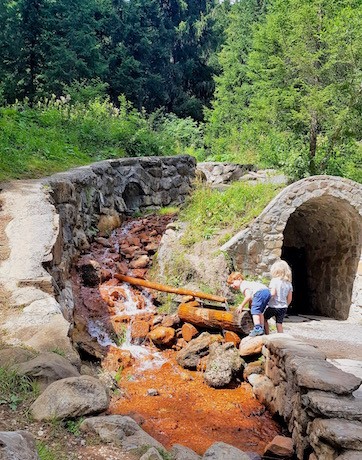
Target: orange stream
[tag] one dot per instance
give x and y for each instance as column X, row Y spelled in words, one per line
column 186, row 411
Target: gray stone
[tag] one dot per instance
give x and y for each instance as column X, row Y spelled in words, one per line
column 341, row 434
column 152, row 454
column 189, row 357
column 17, row 445
column 71, row 397
column 122, row 430
column 15, row 355
column 47, row 368
column 179, row 452
column 350, row 455
column 321, row 375
column 284, row 345
column 223, row 451
column 223, row 365
column 320, row 403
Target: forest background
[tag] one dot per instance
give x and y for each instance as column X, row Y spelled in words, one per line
column 277, row 83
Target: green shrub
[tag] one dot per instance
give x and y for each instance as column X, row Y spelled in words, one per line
column 16, row 388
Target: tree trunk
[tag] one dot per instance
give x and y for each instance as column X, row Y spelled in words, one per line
column 215, row 319
column 164, row 288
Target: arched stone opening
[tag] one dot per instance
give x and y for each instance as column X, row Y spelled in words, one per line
column 322, row 243
column 132, row 196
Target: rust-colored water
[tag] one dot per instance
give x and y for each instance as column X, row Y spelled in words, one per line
column 186, row 411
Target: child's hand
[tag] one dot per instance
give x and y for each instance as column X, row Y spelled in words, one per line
column 239, row 309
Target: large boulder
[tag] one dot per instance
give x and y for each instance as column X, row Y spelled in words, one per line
column 250, row 346
column 179, row 452
column 189, row 357
column 15, row 355
column 122, row 430
column 71, row 397
column 221, row 450
column 17, row 445
column 223, row 365
column 47, row 368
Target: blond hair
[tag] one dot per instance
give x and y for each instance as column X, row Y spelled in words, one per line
column 281, row 269
column 234, row 276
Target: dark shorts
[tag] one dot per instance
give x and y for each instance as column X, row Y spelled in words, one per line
column 260, row 301
column 277, row 313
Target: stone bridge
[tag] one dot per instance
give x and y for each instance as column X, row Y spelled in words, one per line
column 314, row 224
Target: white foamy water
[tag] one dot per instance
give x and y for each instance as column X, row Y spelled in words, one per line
column 147, row 358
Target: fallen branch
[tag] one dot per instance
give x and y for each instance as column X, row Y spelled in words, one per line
column 164, row 288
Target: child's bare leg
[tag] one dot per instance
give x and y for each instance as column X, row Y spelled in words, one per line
column 258, row 319
column 266, row 327
column 280, row 327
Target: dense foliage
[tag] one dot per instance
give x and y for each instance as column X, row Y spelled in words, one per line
column 290, row 92
column 272, row 82
column 156, row 53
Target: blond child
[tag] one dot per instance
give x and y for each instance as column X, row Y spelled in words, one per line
column 256, row 294
column 281, row 290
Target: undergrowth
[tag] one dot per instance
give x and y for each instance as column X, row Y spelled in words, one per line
column 210, row 212
column 16, row 388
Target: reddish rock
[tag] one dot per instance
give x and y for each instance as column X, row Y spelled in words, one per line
column 187, row 298
column 180, row 344
column 280, row 447
column 151, row 248
column 140, row 329
column 122, row 268
column 188, row 332
column 256, row 367
column 162, row 336
column 232, row 337
column 141, row 262
column 116, row 358
column 103, row 241
column 129, row 250
column 139, row 273
column 170, row 321
column 105, row 275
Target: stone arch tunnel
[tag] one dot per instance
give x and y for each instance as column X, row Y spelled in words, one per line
column 316, row 226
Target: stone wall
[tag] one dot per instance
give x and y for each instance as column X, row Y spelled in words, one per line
column 93, row 199
column 316, row 225
column 319, row 402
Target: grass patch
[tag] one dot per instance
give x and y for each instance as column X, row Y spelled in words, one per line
column 16, row 388
column 210, row 212
column 168, row 210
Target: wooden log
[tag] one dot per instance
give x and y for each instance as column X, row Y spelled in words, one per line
column 164, row 288
column 216, row 319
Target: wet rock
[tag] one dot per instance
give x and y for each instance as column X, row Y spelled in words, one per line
column 251, row 346
column 103, row 241
column 188, row 331
column 223, row 365
column 122, row 268
column 190, row 356
column 47, row 368
column 120, row 429
column 90, row 273
column 280, row 447
column 105, row 275
column 232, row 337
column 180, row 343
column 152, row 454
column 179, row 452
column 116, row 358
column 140, row 329
column 171, row 321
column 152, row 392
column 17, row 445
column 107, row 223
column 139, row 273
column 15, row 355
column 71, row 397
column 162, row 336
column 221, row 450
column 140, row 262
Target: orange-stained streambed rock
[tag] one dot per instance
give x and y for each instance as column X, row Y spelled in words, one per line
column 188, row 412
